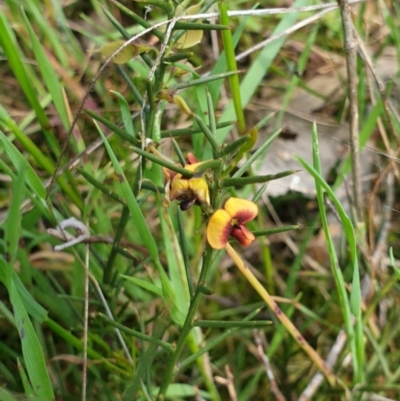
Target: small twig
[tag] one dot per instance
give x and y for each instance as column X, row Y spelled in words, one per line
column 286, row 32
column 377, row 397
column 267, row 366
column 228, row 383
column 84, row 238
column 331, row 359
column 163, row 48
column 82, row 231
column 85, row 325
column 351, row 62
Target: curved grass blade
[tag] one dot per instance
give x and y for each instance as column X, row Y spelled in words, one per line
column 351, row 311
column 31, row 348
column 49, row 76
column 14, row 56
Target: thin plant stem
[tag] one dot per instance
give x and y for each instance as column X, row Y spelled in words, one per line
column 85, row 324
column 188, row 324
column 297, row 336
column 351, row 46
column 232, row 66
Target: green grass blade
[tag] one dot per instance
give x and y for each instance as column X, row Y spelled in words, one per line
column 175, row 262
column 13, row 222
column 229, row 50
column 354, row 308
column 18, row 161
column 32, row 307
column 46, row 26
column 28, row 390
column 125, row 114
column 31, row 348
column 7, row 122
column 6, row 396
column 215, row 87
column 146, row 285
column 203, row 80
column 49, row 76
column 14, row 57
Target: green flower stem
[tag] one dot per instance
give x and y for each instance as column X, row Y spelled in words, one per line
column 101, row 187
column 231, row 63
column 110, row 264
column 178, row 152
column 139, row 20
column 146, row 184
column 240, row 181
column 193, row 26
column 178, row 57
column 165, row 5
column 188, row 325
column 235, row 146
column 207, row 133
column 190, row 131
column 163, row 162
column 230, row 324
column 213, row 342
column 209, row 165
column 275, row 230
column 114, row 127
column 151, row 115
column 185, row 255
column 136, row 94
column 137, row 334
column 202, row 81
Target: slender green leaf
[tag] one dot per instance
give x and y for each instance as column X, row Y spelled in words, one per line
column 18, row 161
column 6, row 396
column 125, row 113
column 15, row 56
column 12, row 228
column 146, row 285
column 31, row 349
column 49, row 76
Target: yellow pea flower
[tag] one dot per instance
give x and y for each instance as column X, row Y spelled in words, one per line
column 186, row 190
column 230, row 221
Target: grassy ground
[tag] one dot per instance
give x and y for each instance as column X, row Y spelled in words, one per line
column 118, row 281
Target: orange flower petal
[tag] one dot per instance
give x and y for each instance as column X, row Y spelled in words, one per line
column 168, row 174
column 241, row 209
column 191, row 158
column 243, row 235
column 218, row 229
column 199, row 188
